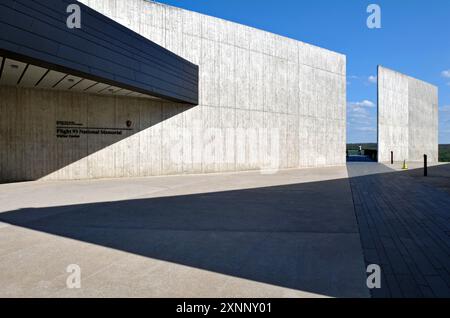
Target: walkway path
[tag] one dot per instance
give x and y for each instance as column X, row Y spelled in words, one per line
column 291, row 234
column 405, row 227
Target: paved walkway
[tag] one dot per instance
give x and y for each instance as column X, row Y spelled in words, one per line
column 292, row 234
column 404, row 222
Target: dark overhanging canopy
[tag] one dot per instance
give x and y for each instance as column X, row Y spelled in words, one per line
column 101, row 51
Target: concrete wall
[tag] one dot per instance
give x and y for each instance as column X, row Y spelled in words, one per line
column 31, row 149
column 256, row 89
column 407, row 117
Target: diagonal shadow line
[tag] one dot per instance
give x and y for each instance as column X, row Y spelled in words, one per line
column 300, row 236
column 19, row 162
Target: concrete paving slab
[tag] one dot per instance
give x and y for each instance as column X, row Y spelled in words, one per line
column 290, row 234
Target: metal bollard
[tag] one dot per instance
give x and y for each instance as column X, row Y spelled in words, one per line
column 392, row 157
column 425, row 165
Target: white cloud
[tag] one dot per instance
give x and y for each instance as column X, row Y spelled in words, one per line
column 364, row 103
column 446, row 73
column 354, row 121
column 360, row 110
column 360, row 115
column 445, row 108
column 366, row 80
column 372, row 79
column 366, row 129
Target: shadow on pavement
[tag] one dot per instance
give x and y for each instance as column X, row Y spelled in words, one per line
column 301, row 236
column 404, row 223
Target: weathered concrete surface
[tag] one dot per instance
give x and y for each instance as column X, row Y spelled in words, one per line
column 407, row 117
column 404, row 222
column 292, row 234
column 256, row 89
column 31, row 150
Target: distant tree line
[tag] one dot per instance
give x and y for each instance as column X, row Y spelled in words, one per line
column 444, row 153
column 444, row 150
column 367, row 146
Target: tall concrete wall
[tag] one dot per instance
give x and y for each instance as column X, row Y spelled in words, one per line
column 407, row 117
column 30, row 148
column 256, row 89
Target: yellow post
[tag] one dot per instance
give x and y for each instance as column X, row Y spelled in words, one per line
column 405, row 166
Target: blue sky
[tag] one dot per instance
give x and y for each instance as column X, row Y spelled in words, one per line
column 414, row 39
